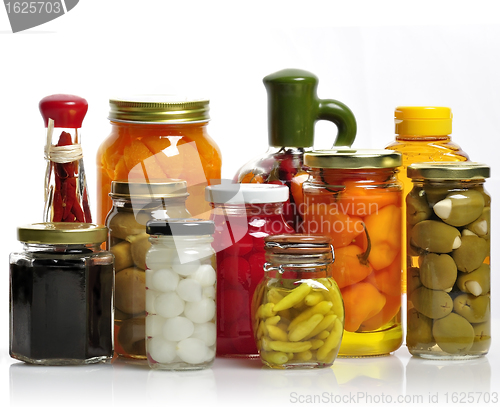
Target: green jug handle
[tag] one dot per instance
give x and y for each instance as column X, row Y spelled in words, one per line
column 338, row 113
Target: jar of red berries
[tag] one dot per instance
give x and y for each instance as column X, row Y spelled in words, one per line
column 244, row 214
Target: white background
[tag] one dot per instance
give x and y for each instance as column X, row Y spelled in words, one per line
column 371, row 55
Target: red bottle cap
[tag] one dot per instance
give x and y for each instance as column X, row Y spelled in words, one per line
column 67, row 111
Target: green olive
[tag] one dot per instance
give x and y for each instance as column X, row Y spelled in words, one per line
column 476, row 282
column 482, row 337
column 124, row 224
column 481, row 226
column 417, row 207
column 460, row 208
column 130, row 290
column 471, row 253
column 438, row 271
column 419, row 332
column 413, row 280
column 473, row 309
column 453, row 334
column 435, row 193
column 435, row 236
column 123, row 257
column 432, row 303
column 139, row 248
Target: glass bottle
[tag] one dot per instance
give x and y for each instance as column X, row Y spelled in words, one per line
column 297, row 309
column 66, row 196
column 423, row 134
column 448, row 222
column 353, row 197
column 243, row 215
column 134, row 204
column 61, row 295
column 292, row 94
column 180, row 295
column 158, row 137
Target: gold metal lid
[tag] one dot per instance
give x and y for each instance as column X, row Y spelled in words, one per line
column 352, row 159
column 155, row 189
column 461, row 170
column 159, row 109
column 62, row 233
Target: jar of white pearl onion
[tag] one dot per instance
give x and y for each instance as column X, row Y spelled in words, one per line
column 180, row 295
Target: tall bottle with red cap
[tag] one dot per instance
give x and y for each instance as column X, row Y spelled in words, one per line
column 66, row 197
column 422, row 135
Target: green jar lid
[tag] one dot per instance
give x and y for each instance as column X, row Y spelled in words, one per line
column 460, row 170
column 62, row 233
column 352, row 159
column 155, row 189
column 159, row 109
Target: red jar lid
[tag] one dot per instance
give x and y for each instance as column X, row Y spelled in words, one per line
column 67, row 111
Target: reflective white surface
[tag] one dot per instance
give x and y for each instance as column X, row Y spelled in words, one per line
column 397, row 379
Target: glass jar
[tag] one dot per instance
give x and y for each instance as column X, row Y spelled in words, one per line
column 353, row 197
column 180, row 295
column 66, row 195
column 292, row 93
column 297, row 311
column 158, row 137
column 448, row 222
column 422, row 134
column 61, row 295
column 134, row 204
column 244, row 214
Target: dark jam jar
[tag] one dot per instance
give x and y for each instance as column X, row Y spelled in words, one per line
column 61, row 295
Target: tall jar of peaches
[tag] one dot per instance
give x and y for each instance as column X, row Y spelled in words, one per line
column 158, row 137
column 353, row 197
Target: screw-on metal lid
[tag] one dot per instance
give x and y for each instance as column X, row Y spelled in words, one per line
column 180, row 227
column 160, row 109
column 62, row 233
column 246, row 193
column 352, row 159
column 461, row 170
column 171, row 188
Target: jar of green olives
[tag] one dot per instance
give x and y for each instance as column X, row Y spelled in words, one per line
column 448, row 224
column 134, row 204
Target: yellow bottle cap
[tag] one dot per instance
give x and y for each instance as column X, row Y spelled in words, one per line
column 417, row 121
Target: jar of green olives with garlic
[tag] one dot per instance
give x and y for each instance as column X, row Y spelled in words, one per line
column 448, row 218
column 134, row 204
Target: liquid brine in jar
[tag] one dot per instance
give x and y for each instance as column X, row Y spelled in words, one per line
column 449, row 230
column 353, row 197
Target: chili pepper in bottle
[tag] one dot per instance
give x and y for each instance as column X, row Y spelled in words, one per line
column 66, row 197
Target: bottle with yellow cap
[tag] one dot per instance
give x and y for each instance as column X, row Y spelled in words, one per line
column 423, row 135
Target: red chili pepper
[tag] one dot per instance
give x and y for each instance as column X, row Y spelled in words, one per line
column 66, row 206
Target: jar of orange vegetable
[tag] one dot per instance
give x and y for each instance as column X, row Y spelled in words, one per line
column 158, row 137
column 353, row 197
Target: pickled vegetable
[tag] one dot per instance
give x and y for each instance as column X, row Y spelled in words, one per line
column 435, row 236
column 460, row 208
column 311, row 334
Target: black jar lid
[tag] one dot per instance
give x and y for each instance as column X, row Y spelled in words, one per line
column 180, row 227
column 62, row 233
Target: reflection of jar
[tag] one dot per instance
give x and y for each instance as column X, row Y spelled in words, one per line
column 297, row 308
column 353, row 197
column 448, row 222
column 61, row 295
column 134, row 204
column 180, row 295
column 244, row 214
column 157, row 137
